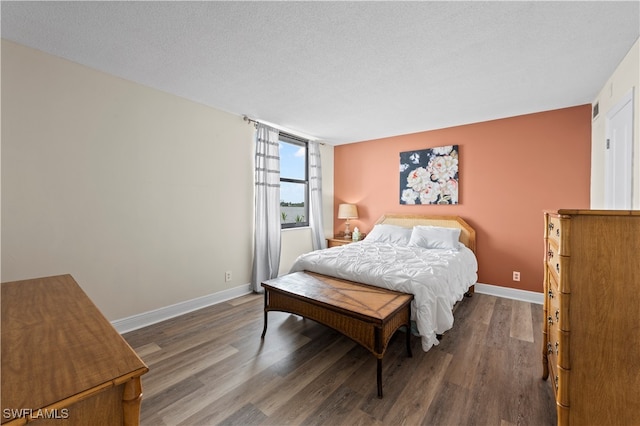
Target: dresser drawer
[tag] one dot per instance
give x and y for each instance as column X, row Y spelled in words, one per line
column 558, row 266
column 553, row 257
column 558, row 347
column 553, row 375
column 553, row 229
column 559, row 383
column 562, row 382
column 557, row 304
column 563, row 414
column 558, row 232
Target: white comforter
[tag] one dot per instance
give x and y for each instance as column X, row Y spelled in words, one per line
column 437, row 278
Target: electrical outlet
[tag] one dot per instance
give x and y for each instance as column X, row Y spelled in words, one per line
column 227, row 276
column 516, row 276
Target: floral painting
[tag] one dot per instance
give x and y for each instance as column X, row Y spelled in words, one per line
column 429, row 176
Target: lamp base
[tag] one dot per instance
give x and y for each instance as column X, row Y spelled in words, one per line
column 347, row 232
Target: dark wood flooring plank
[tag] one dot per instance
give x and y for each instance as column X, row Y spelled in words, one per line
column 397, row 371
column 335, row 408
column 233, row 400
column 296, row 381
column 417, row 396
column 450, row 407
column 224, row 377
column 185, row 365
column 246, row 415
column 300, row 405
column 521, row 326
column 151, row 405
column 210, row 367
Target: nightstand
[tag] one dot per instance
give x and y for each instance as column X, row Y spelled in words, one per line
column 340, row 241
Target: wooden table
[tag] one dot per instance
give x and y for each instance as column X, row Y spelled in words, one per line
column 368, row 315
column 63, row 363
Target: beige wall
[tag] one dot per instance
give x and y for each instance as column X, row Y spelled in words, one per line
column 144, row 197
column 625, row 78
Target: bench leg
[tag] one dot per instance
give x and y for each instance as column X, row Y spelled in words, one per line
column 380, row 378
column 409, row 354
column 378, row 346
column 264, row 330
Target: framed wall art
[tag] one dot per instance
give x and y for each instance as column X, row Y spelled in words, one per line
column 429, row 176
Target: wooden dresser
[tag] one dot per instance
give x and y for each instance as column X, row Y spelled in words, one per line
column 62, row 361
column 591, row 345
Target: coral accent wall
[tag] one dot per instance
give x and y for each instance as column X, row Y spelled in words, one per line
column 510, row 171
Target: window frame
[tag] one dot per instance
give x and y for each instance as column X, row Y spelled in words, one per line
column 295, row 140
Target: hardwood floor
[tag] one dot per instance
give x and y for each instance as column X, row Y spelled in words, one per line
column 211, row 367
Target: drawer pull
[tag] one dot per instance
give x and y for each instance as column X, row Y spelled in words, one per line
column 558, row 232
column 550, row 320
column 550, row 254
column 556, row 380
column 557, row 315
column 551, row 294
column 558, row 267
column 550, row 226
column 549, row 348
column 557, row 346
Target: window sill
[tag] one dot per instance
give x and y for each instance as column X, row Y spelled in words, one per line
column 295, row 229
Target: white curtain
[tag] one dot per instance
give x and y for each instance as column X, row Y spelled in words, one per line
column 315, row 197
column 266, row 249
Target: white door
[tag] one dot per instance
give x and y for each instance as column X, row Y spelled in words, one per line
column 619, row 155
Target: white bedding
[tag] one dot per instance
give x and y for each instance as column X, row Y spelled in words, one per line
column 437, row 278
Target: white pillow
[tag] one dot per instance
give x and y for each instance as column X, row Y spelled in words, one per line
column 389, row 234
column 435, row 237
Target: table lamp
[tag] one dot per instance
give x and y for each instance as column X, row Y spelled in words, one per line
column 347, row 211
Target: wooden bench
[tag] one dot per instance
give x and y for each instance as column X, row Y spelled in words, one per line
column 368, row 315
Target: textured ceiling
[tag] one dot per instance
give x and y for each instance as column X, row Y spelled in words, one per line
column 345, row 71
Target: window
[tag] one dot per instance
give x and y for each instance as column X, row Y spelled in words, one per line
column 294, row 182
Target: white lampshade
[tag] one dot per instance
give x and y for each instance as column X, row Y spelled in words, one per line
column 347, row 211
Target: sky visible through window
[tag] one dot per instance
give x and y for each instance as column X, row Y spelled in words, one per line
column 292, row 165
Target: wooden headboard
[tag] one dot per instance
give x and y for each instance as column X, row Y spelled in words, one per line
column 467, row 233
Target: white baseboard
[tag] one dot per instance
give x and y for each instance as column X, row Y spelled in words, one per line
column 144, row 319
column 510, row 293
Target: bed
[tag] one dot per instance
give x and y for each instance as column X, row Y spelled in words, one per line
column 431, row 257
